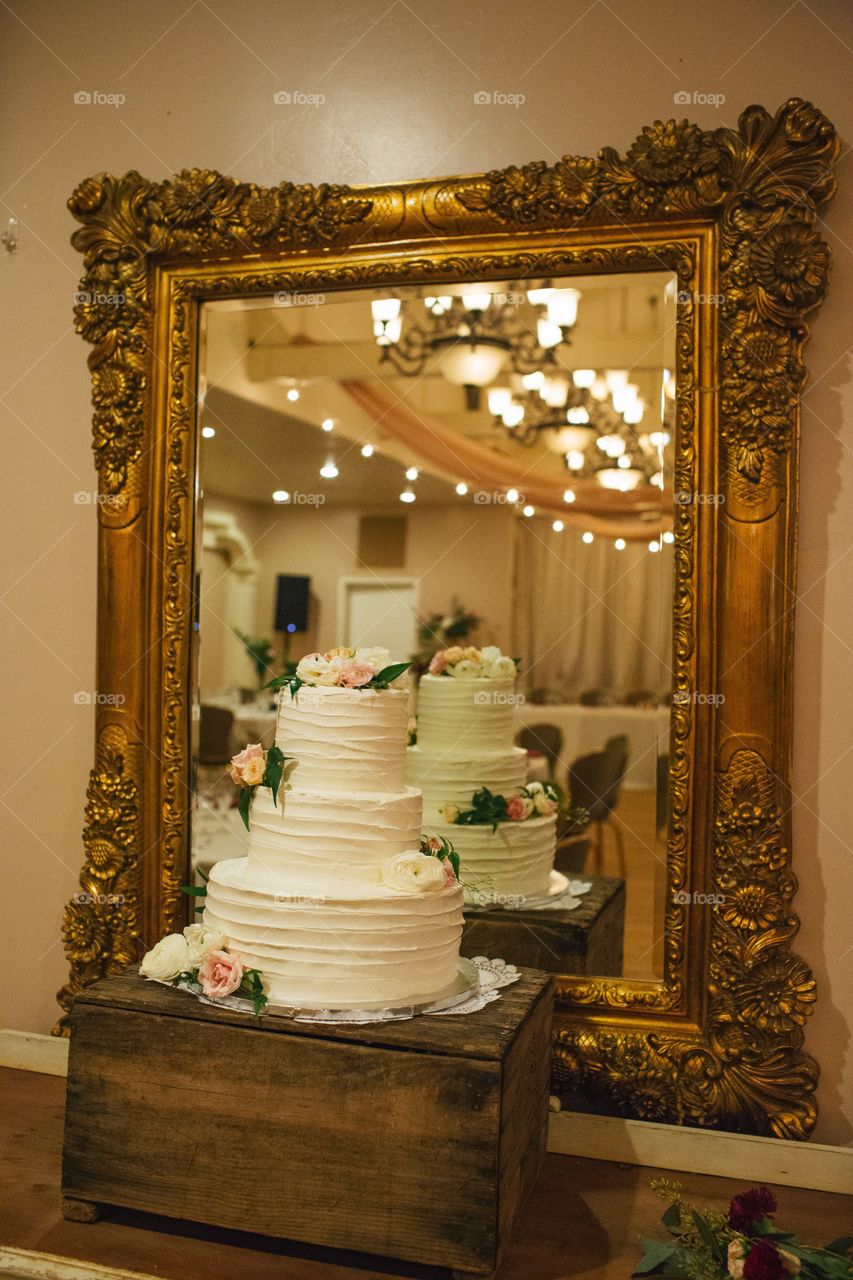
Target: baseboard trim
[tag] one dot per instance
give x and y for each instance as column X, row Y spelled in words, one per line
column 29, row 1051
column 26, row 1264
column 574, row 1133
column 725, row 1155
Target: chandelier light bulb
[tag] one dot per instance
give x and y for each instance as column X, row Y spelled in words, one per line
column 548, row 334
column 658, row 439
column 513, row 414
column 412, row 473
column 528, row 510
column 575, row 460
column 568, row 495
column 293, row 393
column 558, row 526
column 571, row 440
column 587, row 537
column 669, row 536
column 367, row 451
column 533, row 381
column 328, row 424
column 616, row 379
column 618, row 478
column 633, row 413
column 329, row 471
column 462, row 488
column 538, row 297
column 208, row 432
column 613, row 445
column 600, row 389
column 498, row 398
column 385, row 309
column 584, row 378
column 476, row 301
column 654, row 546
column 562, row 307
column 624, row 397
column 554, row 391
column 623, row 461
column 472, row 366
column 512, row 495
column 619, row 544
column 577, row 416
column 657, row 480
column 438, row 306
column 280, row 495
column 408, row 495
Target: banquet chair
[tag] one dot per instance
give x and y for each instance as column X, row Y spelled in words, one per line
column 595, row 783
column 596, row 698
column 546, row 740
column 214, row 734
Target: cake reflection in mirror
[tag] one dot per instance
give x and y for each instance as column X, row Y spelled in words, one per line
column 479, row 480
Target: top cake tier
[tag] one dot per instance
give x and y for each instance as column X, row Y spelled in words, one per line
column 461, row 715
column 344, row 740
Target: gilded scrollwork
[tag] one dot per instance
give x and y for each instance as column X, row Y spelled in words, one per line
column 732, row 212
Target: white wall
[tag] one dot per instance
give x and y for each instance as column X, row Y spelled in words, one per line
column 399, row 81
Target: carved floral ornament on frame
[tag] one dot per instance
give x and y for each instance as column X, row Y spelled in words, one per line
column 726, row 1048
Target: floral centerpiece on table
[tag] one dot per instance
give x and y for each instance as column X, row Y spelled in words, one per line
column 743, row 1243
column 254, row 767
column 473, row 664
column 434, row 866
column 363, row 668
column 199, row 960
column 438, row 629
column 488, row 808
column 259, row 651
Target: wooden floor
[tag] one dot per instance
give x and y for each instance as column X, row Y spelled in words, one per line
column 582, row 1223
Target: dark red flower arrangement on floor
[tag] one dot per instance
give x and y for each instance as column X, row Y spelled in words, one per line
column 743, row 1244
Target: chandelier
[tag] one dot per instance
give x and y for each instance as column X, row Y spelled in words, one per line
column 592, row 419
column 470, row 338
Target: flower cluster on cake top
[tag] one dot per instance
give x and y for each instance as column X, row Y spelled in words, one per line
column 344, row 668
column 470, row 663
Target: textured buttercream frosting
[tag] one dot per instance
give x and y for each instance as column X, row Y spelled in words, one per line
column 466, row 729
column 372, row 950
column 308, row 906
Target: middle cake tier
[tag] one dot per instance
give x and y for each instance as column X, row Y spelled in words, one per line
column 336, row 843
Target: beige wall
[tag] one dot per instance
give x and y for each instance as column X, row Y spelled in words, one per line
column 399, row 81
column 448, row 550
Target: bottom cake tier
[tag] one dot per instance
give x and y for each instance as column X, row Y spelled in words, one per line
column 382, row 950
column 506, row 865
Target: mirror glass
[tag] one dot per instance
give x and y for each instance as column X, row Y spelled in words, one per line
column 477, row 467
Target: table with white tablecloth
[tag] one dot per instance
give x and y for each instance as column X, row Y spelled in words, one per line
column 587, row 729
column 252, row 723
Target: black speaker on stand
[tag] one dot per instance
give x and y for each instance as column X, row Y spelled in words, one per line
column 291, row 607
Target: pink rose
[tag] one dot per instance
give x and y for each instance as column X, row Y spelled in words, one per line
column 239, row 762
column 354, row 674
column 516, row 809
column 449, row 873
column 434, row 843
column 438, row 665
column 220, row 974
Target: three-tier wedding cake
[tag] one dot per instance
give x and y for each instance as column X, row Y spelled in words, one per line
column 473, row 779
column 339, row 902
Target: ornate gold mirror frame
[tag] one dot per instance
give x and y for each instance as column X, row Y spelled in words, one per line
column 719, row 1040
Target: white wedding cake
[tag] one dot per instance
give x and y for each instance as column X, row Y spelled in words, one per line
column 338, row 903
column 473, row 779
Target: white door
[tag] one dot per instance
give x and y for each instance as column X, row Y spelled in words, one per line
column 381, row 612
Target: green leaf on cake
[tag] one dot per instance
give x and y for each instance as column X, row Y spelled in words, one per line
column 244, row 804
column 194, row 890
column 276, row 760
column 388, row 675
column 453, row 859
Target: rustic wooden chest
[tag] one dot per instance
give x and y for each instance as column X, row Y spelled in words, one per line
column 587, row 940
column 416, row 1140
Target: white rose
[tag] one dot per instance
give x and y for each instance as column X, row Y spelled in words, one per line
column 170, row 957
column 533, row 787
column 449, row 812
column 490, row 653
column 414, row 873
column 374, row 656
column 467, row 670
column 317, row 670
column 528, row 806
column 543, row 804
column 502, row 669
column 201, row 939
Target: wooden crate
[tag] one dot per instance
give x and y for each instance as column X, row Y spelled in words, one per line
column 589, row 939
column 417, row 1140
